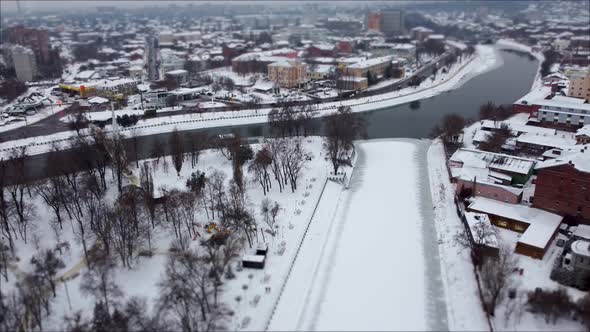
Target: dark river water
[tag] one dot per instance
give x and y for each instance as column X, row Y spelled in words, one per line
column 503, row 85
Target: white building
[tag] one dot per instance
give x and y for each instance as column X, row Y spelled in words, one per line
column 25, row 63
column 564, row 110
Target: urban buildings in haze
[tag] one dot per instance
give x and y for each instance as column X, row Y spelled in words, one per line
column 25, row 64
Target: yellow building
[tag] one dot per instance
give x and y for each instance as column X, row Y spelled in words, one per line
column 287, row 73
column 579, row 83
column 376, row 66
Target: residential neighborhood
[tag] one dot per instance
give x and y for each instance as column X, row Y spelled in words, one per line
column 294, row 166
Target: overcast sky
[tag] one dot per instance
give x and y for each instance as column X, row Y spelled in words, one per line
column 7, row 6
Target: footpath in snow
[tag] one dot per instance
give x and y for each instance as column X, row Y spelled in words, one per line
column 464, row 308
column 370, row 272
column 293, row 299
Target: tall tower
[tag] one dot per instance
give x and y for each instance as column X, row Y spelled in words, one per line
column 392, row 22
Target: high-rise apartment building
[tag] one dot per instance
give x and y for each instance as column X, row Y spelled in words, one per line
column 24, row 62
column 579, row 83
column 310, row 12
column 392, row 22
column 152, row 55
column 35, row 39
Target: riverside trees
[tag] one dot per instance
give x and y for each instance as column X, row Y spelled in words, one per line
column 342, row 128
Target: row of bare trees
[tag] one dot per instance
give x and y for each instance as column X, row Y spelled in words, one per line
column 291, row 121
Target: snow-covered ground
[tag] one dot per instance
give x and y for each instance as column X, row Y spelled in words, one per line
column 486, row 58
column 464, row 308
column 371, row 272
column 141, row 280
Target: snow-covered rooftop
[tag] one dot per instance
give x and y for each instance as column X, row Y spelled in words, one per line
column 582, row 231
column 581, row 247
column 535, row 94
column 585, row 130
column 564, row 102
column 177, row 72
column 578, row 157
column 542, row 224
column 97, row 100
column 371, row 62
column 473, row 218
column 497, row 161
column 559, row 140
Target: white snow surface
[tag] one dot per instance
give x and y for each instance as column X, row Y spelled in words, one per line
column 464, row 310
column 368, row 272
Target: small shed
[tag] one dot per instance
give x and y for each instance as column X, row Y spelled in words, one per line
column 253, row 261
column 262, row 249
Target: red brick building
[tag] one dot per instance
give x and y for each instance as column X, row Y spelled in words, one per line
column 36, row 39
column 527, row 103
column 563, row 186
column 498, row 192
column 374, row 21
column 345, row 46
column 321, row 50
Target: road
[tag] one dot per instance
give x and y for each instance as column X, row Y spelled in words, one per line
column 52, row 124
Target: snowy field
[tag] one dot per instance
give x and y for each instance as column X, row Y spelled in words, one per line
column 257, row 289
column 486, row 58
column 371, row 273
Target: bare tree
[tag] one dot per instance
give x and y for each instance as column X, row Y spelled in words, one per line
column 342, row 128
column 177, row 150
column 188, row 208
column 198, row 142
column 269, row 213
column 237, row 216
column 259, row 167
column 50, row 192
column 275, row 147
column 119, row 158
column 134, row 135
column 274, row 212
column 480, row 235
column 157, row 150
column 4, row 207
column 186, row 295
column 99, row 280
column 215, row 192
column 125, row 220
column 22, row 209
column 146, row 179
column 12, row 311
column 46, row 265
column 100, row 156
column 553, row 304
column 496, row 140
column 293, row 159
column 496, row 276
column 35, row 301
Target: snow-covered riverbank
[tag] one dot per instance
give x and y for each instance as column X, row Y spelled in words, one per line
column 486, row 58
column 514, row 45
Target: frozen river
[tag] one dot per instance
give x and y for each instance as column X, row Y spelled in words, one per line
column 378, row 267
